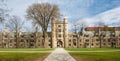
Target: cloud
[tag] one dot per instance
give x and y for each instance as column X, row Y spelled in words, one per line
column 110, row 18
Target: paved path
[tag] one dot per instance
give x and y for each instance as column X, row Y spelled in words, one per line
column 59, row 55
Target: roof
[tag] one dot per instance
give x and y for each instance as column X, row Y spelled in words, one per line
column 102, row 28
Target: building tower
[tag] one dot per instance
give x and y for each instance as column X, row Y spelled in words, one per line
column 65, row 32
column 59, row 33
column 53, row 33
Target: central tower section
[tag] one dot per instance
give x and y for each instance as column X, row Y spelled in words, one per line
column 60, row 33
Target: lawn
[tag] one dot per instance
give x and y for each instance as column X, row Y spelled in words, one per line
column 21, row 56
column 95, row 56
column 12, row 54
column 26, row 49
column 92, row 49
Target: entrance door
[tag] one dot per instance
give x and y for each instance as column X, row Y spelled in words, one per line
column 59, row 44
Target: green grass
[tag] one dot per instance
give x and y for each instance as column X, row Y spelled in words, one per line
column 96, row 56
column 26, row 49
column 20, row 56
column 91, row 49
column 23, row 56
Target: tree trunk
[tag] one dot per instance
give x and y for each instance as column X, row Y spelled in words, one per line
column 44, row 38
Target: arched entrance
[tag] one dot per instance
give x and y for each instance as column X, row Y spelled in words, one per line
column 59, row 44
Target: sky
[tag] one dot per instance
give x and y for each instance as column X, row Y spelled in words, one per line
column 89, row 11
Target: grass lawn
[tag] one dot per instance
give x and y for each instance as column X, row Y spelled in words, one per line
column 91, row 49
column 21, row 56
column 95, row 56
column 26, row 49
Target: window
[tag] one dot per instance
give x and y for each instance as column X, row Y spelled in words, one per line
column 69, row 44
column 59, row 25
column 74, row 42
column 87, row 40
column 97, row 39
column 114, row 43
column 38, row 40
column 96, row 35
column 49, row 40
column 15, row 35
column 108, row 40
column 49, row 44
column 69, row 40
column 80, row 44
column 14, row 44
column 87, row 44
column 38, row 44
column 80, row 40
column 5, row 36
column 74, row 35
column 22, row 40
column 97, row 44
column 104, row 44
column 10, row 41
column 104, row 40
column 32, row 36
column 59, row 35
column 32, row 40
column 22, row 36
column 10, row 44
column 92, row 44
column 113, row 35
column 59, row 30
column 86, row 35
column 104, row 35
column 119, row 34
column 113, row 40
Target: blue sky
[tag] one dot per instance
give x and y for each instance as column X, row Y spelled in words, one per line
column 75, row 10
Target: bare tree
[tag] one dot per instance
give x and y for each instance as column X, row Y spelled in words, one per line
column 3, row 11
column 3, row 14
column 42, row 14
column 14, row 24
column 101, row 27
column 78, row 28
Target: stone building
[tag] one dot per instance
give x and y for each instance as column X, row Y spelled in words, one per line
column 95, row 37
column 90, row 37
column 58, row 37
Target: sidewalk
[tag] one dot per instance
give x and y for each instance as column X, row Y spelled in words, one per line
column 59, row 54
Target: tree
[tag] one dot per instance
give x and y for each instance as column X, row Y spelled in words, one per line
column 78, row 28
column 3, row 14
column 3, row 11
column 42, row 14
column 100, row 29
column 15, row 24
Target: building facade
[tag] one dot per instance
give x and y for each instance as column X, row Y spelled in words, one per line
column 90, row 37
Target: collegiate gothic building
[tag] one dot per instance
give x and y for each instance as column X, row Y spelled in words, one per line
column 90, row 37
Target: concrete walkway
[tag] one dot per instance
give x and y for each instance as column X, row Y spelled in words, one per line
column 59, row 54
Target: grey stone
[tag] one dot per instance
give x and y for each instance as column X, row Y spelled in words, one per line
column 59, row 55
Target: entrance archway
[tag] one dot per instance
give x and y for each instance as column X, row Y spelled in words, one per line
column 59, row 44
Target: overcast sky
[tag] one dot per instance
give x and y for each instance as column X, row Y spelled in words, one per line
column 75, row 10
